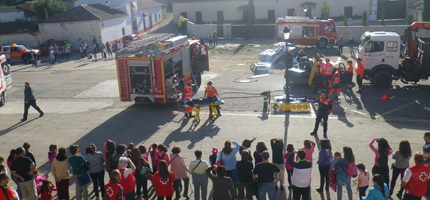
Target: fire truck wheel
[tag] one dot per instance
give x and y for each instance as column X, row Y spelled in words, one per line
column 382, row 79
column 2, row 99
column 322, row 43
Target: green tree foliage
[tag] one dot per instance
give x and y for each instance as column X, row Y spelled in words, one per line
column 8, row 2
column 182, row 24
column 251, row 12
column 325, row 9
column 295, row 13
column 345, row 21
column 409, row 19
column 208, row 21
column 52, row 6
column 364, row 19
column 426, row 11
column 383, row 17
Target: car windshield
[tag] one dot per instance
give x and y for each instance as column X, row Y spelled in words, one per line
column 21, row 47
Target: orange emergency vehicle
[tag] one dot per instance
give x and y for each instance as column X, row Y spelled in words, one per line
column 307, row 31
column 155, row 70
column 16, row 52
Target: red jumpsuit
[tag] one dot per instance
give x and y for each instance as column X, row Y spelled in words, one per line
column 336, row 81
column 187, row 94
column 327, row 71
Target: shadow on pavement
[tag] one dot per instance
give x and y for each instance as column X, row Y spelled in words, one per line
column 15, row 126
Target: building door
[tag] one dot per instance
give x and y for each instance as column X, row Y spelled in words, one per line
column 271, row 16
column 245, row 16
column 347, row 12
column 309, row 12
column 144, row 23
column 199, row 19
column 290, row 12
column 150, row 20
column 393, row 9
column 220, row 17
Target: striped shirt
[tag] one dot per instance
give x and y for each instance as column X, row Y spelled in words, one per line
column 200, row 169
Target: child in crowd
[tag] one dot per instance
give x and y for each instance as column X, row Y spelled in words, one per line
column 52, row 154
column 290, row 150
column 145, row 173
column 4, row 170
column 130, row 146
column 426, row 147
column 51, row 57
column 143, row 152
column 114, row 190
column 152, row 152
column 212, row 158
column 46, row 190
column 343, row 166
column 363, row 180
column 38, row 179
column 309, row 147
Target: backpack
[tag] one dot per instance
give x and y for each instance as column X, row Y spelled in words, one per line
column 160, row 158
column 113, row 164
column 352, row 170
column 383, row 160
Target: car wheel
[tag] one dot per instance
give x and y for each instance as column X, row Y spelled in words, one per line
column 2, row 99
column 322, row 43
column 26, row 59
column 382, row 79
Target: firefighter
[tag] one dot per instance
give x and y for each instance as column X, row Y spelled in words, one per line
column 327, row 71
column 349, row 75
column 360, row 72
column 318, row 80
column 300, row 55
column 325, row 106
column 336, row 81
column 187, row 95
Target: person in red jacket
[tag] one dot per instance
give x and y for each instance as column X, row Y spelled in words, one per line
column 113, row 188
column 336, row 81
column 163, row 181
column 187, row 95
column 127, row 180
column 327, row 72
column 360, row 72
column 415, row 179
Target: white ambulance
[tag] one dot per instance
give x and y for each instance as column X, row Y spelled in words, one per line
column 5, row 79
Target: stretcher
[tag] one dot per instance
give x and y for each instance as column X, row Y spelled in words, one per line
column 199, row 103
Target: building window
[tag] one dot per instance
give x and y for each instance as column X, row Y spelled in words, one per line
column 184, row 14
column 271, row 16
column 123, row 31
column 159, row 16
column 220, row 17
column 290, row 12
column 199, row 18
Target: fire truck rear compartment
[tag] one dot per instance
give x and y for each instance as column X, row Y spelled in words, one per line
column 140, row 78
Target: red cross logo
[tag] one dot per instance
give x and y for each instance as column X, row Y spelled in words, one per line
column 423, row 177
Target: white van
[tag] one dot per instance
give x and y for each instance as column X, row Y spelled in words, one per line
column 5, row 79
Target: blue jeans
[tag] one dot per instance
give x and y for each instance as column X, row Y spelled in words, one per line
column 351, row 49
column 200, row 182
column 18, row 190
column 269, row 188
column 339, row 186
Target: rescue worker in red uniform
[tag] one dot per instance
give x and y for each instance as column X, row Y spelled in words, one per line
column 336, row 81
column 360, row 73
column 318, row 80
column 325, row 106
column 187, row 95
column 415, row 179
column 327, row 71
column 113, row 188
column 349, row 75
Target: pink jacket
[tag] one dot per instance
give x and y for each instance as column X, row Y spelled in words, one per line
column 178, row 166
column 390, row 151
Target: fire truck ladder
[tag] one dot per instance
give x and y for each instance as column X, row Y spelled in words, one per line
column 124, row 80
column 138, row 46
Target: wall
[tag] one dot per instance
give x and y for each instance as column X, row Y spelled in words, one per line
column 11, row 16
column 112, row 28
column 201, row 30
column 75, row 32
column 209, row 9
column 357, row 31
column 155, row 11
column 28, row 39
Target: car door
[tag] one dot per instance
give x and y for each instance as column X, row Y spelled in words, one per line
column 15, row 53
column 373, row 54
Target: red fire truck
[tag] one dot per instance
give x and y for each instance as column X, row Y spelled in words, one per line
column 307, row 31
column 155, row 69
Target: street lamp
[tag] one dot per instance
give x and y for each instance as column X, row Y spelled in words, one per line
column 305, row 9
column 287, row 33
column 107, row 3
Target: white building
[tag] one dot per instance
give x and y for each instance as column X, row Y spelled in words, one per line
column 11, row 14
column 226, row 11
column 85, row 22
column 150, row 14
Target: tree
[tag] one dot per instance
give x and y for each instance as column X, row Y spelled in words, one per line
column 364, row 19
column 409, row 19
column 9, row 2
column 325, row 9
column 208, row 21
column 52, row 6
column 426, row 11
column 182, row 24
column 295, row 13
column 251, row 12
column 345, row 21
column 382, row 17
